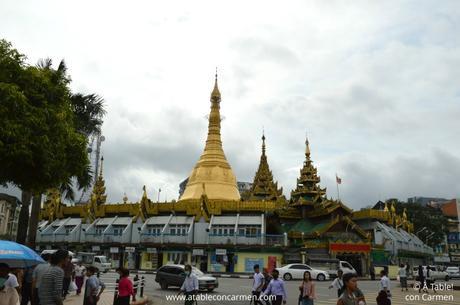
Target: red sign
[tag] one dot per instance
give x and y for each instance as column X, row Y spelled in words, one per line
column 350, row 247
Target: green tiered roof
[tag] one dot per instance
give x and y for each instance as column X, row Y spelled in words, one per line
column 308, row 191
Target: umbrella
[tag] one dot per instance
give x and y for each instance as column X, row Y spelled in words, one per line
column 17, row 255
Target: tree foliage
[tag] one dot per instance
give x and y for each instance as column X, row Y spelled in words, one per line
column 425, row 217
column 40, row 146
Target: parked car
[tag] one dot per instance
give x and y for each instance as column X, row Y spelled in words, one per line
column 331, row 266
column 52, row 252
column 174, row 275
column 454, row 272
column 296, row 271
column 436, row 273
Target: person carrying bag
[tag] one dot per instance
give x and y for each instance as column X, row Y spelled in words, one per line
column 307, row 290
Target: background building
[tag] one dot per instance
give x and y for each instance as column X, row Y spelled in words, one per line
column 10, row 207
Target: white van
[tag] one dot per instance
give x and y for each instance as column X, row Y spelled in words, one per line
column 331, row 265
column 92, row 259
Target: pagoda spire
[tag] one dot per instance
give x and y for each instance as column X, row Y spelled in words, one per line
column 264, row 187
column 102, row 165
column 212, row 169
column 98, row 195
column 307, row 148
column 263, row 143
column 308, row 190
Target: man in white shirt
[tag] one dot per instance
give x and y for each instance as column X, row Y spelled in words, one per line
column 12, row 280
column 257, row 284
column 385, row 283
column 190, row 286
column 337, row 283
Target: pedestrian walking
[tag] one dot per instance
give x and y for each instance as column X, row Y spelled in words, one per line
column 8, row 295
column 12, row 280
column 307, row 289
column 351, row 295
column 26, row 289
column 267, row 278
column 276, row 288
column 93, row 287
column 408, row 270
column 428, row 280
column 37, row 275
column 384, row 285
column 68, row 276
column 257, row 284
column 337, row 283
column 50, row 289
column 421, row 278
column 402, row 273
column 190, row 285
column 80, row 272
column 372, row 272
column 125, row 288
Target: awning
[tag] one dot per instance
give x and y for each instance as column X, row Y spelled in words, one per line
column 157, row 220
column 224, row 220
column 250, row 220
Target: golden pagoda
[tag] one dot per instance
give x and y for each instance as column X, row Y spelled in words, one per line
column 212, row 175
column 264, row 187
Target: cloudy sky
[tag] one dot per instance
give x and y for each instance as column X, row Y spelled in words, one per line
column 375, row 84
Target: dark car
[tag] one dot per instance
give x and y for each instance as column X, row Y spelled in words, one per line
column 174, row 275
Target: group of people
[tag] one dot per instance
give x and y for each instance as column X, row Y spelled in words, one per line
column 266, row 284
column 48, row 283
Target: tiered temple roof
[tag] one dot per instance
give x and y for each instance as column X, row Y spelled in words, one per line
column 308, row 191
column 264, row 187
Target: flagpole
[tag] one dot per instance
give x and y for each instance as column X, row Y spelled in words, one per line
column 337, row 183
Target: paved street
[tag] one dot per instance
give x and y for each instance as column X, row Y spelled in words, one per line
column 231, row 286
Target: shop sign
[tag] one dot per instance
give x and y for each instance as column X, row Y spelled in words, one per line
column 96, row 248
column 250, row 262
column 113, row 249
column 198, row 252
column 151, row 250
column 360, row 248
column 221, row 251
column 130, row 249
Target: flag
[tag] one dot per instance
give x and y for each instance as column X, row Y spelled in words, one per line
column 337, row 179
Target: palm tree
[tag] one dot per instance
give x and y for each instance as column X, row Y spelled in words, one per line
column 88, row 115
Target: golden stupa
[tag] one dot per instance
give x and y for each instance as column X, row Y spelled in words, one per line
column 212, row 175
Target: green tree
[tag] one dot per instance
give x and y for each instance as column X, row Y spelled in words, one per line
column 41, row 145
column 424, row 217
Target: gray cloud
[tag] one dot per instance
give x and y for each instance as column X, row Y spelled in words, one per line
column 377, row 93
